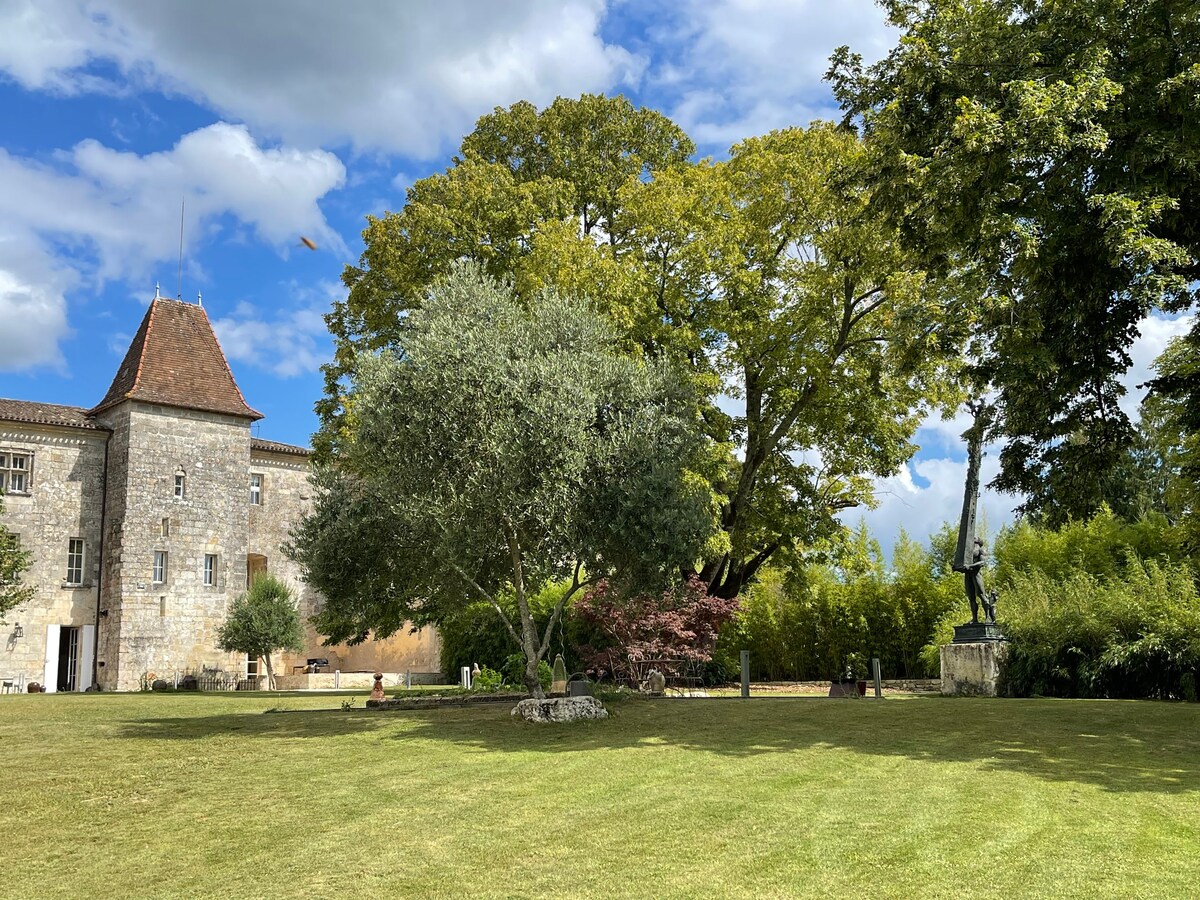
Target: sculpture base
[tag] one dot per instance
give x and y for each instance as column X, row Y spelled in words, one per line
column 977, row 632
column 972, row 668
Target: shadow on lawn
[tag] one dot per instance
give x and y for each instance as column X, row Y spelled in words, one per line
column 1117, row 746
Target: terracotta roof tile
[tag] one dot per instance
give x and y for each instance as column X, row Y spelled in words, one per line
column 47, row 414
column 175, row 360
column 277, row 447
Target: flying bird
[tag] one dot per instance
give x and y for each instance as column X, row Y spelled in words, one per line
column 308, row 242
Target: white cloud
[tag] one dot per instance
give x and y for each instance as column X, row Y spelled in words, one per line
column 115, row 214
column 404, row 77
column 33, row 311
column 745, row 67
column 286, row 343
column 921, row 510
column 1154, row 333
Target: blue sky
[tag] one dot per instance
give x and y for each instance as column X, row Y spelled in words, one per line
column 281, row 118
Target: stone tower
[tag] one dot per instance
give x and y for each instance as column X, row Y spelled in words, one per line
column 176, row 533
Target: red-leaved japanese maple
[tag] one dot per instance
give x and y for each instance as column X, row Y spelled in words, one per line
column 673, row 631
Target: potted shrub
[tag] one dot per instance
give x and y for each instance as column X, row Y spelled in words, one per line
column 856, row 670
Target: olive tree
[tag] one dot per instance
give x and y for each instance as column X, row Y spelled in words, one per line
column 500, row 444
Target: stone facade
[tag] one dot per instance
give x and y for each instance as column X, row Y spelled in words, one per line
column 67, row 461
column 176, row 507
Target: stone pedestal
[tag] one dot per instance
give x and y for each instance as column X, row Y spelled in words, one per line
column 972, row 667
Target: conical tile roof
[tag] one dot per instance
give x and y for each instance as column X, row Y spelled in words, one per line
column 175, row 360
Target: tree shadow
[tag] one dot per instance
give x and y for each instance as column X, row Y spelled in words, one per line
column 1117, row 746
column 1122, row 746
column 305, row 723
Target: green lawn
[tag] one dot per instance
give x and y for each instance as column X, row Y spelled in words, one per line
column 207, row 796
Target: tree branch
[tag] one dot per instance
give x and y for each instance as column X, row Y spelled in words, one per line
column 576, row 584
column 489, row 598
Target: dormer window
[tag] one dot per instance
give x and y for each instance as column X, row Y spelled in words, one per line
column 180, row 484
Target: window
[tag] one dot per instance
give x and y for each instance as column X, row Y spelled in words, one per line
column 210, row 569
column 251, row 666
column 165, row 528
column 14, row 472
column 180, row 484
column 160, row 567
column 256, row 490
column 75, row 561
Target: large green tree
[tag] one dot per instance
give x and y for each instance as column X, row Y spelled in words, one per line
column 811, row 337
column 502, row 443
column 13, row 563
column 1051, row 149
column 780, row 285
column 520, row 172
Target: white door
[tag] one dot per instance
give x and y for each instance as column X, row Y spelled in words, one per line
column 87, row 648
column 50, row 677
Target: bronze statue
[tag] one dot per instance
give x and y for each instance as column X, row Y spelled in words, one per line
column 969, row 555
column 973, row 584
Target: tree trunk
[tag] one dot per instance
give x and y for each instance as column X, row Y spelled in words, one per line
column 270, row 673
column 532, row 683
column 529, row 637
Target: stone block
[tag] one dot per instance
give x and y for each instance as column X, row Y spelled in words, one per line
column 972, row 669
column 560, row 709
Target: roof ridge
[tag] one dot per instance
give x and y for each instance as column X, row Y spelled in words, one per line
column 225, row 361
column 137, row 376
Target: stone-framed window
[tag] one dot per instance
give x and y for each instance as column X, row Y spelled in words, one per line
column 159, row 574
column 256, row 489
column 16, row 470
column 75, row 561
column 164, row 528
column 180, row 484
column 210, row 569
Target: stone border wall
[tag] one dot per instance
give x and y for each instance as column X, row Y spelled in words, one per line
column 351, row 681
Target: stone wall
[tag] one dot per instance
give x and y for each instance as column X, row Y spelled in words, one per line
column 286, row 496
column 64, row 501
column 171, row 626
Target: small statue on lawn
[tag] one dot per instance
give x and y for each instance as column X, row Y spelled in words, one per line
column 377, row 691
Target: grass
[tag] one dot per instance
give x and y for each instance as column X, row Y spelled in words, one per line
column 207, row 796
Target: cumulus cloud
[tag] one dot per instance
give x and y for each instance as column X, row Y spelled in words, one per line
column 920, row 510
column 403, row 77
column 284, row 342
column 1154, row 333
column 737, row 68
column 114, row 214
column 33, row 311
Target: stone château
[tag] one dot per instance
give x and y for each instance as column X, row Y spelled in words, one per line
column 147, row 514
